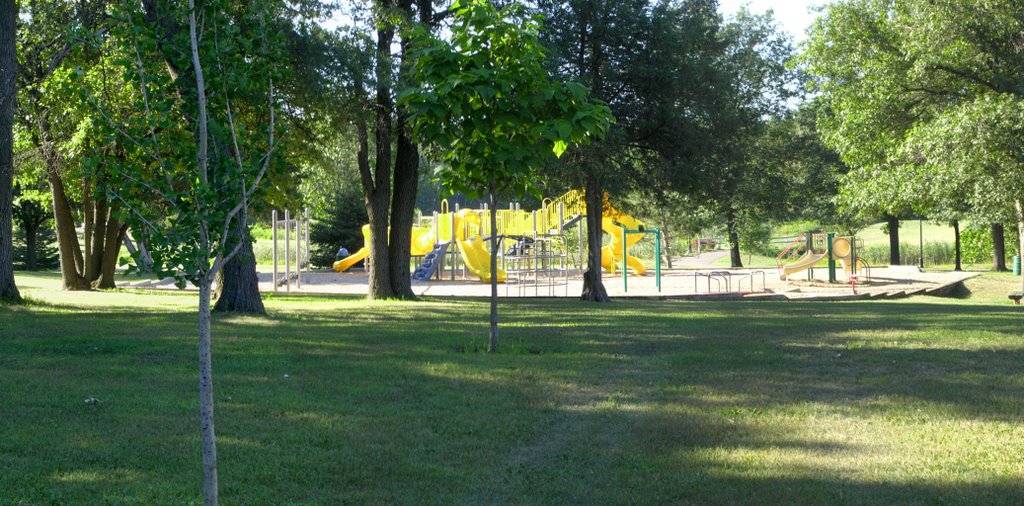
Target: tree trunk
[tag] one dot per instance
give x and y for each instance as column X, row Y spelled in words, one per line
column 998, row 248
column 209, row 440
column 239, row 282
column 111, row 250
column 593, row 287
column 139, row 251
column 104, row 245
column 377, row 261
column 734, row 240
column 71, row 260
column 406, row 176
column 377, row 184
column 403, row 206
column 492, row 343
column 894, row 239
column 31, row 229
column 72, row 264
column 94, row 237
column 958, row 264
column 8, row 84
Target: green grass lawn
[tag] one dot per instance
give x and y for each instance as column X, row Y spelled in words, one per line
column 915, row 401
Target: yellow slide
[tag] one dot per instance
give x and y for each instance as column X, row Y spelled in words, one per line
column 343, row 264
column 422, row 243
column 806, row 261
column 476, row 256
column 611, row 255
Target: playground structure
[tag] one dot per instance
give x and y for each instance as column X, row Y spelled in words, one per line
column 809, row 249
column 299, row 225
column 533, row 245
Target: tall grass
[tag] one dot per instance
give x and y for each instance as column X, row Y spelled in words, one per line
column 935, row 253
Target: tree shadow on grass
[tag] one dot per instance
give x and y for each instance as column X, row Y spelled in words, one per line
column 643, row 403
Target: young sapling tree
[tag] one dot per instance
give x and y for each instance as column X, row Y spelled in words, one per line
column 494, row 114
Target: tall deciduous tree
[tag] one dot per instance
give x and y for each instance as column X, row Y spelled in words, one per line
column 180, row 199
column 53, row 33
column 651, row 62
column 745, row 179
column 8, row 96
column 488, row 104
column 387, row 155
column 904, row 79
column 239, row 289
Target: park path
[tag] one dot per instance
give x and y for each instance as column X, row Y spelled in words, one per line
column 705, row 260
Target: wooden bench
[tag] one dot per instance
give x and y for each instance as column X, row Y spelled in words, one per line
column 1015, row 297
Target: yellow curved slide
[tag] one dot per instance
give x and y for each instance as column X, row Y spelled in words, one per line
column 806, row 261
column 343, row 264
column 611, row 255
column 478, row 260
column 476, row 256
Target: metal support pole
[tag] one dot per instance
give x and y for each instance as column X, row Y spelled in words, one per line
column 625, row 288
column 853, row 255
column 287, row 253
column 308, row 263
column 298, row 252
column 657, row 258
column 831, row 261
column 810, row 249
column 455, row 258
column 920, row 240
column 273, row 234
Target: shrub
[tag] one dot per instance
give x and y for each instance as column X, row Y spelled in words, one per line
column 46, row 255
column 976, row 245
column 260, row 231
column 33, row 223
column 342, row 226
column 1012, row 241
column 756, row 238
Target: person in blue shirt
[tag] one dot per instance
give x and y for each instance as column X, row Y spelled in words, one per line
column 342, row 253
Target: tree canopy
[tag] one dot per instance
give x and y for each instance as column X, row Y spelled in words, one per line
column 486, row 102
column 923, row 96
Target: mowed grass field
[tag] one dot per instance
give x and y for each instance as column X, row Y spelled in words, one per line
column 332, row 401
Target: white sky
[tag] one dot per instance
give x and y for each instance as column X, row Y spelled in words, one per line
column 795, row 16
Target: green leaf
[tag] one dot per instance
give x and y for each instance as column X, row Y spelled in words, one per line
column 559, row 148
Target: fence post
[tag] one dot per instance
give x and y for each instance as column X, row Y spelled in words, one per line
column 309, row 265
column 287, row 253
column 273, row 235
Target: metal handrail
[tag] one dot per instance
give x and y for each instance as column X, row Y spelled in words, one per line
column 789, row 252
column 750, row 277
